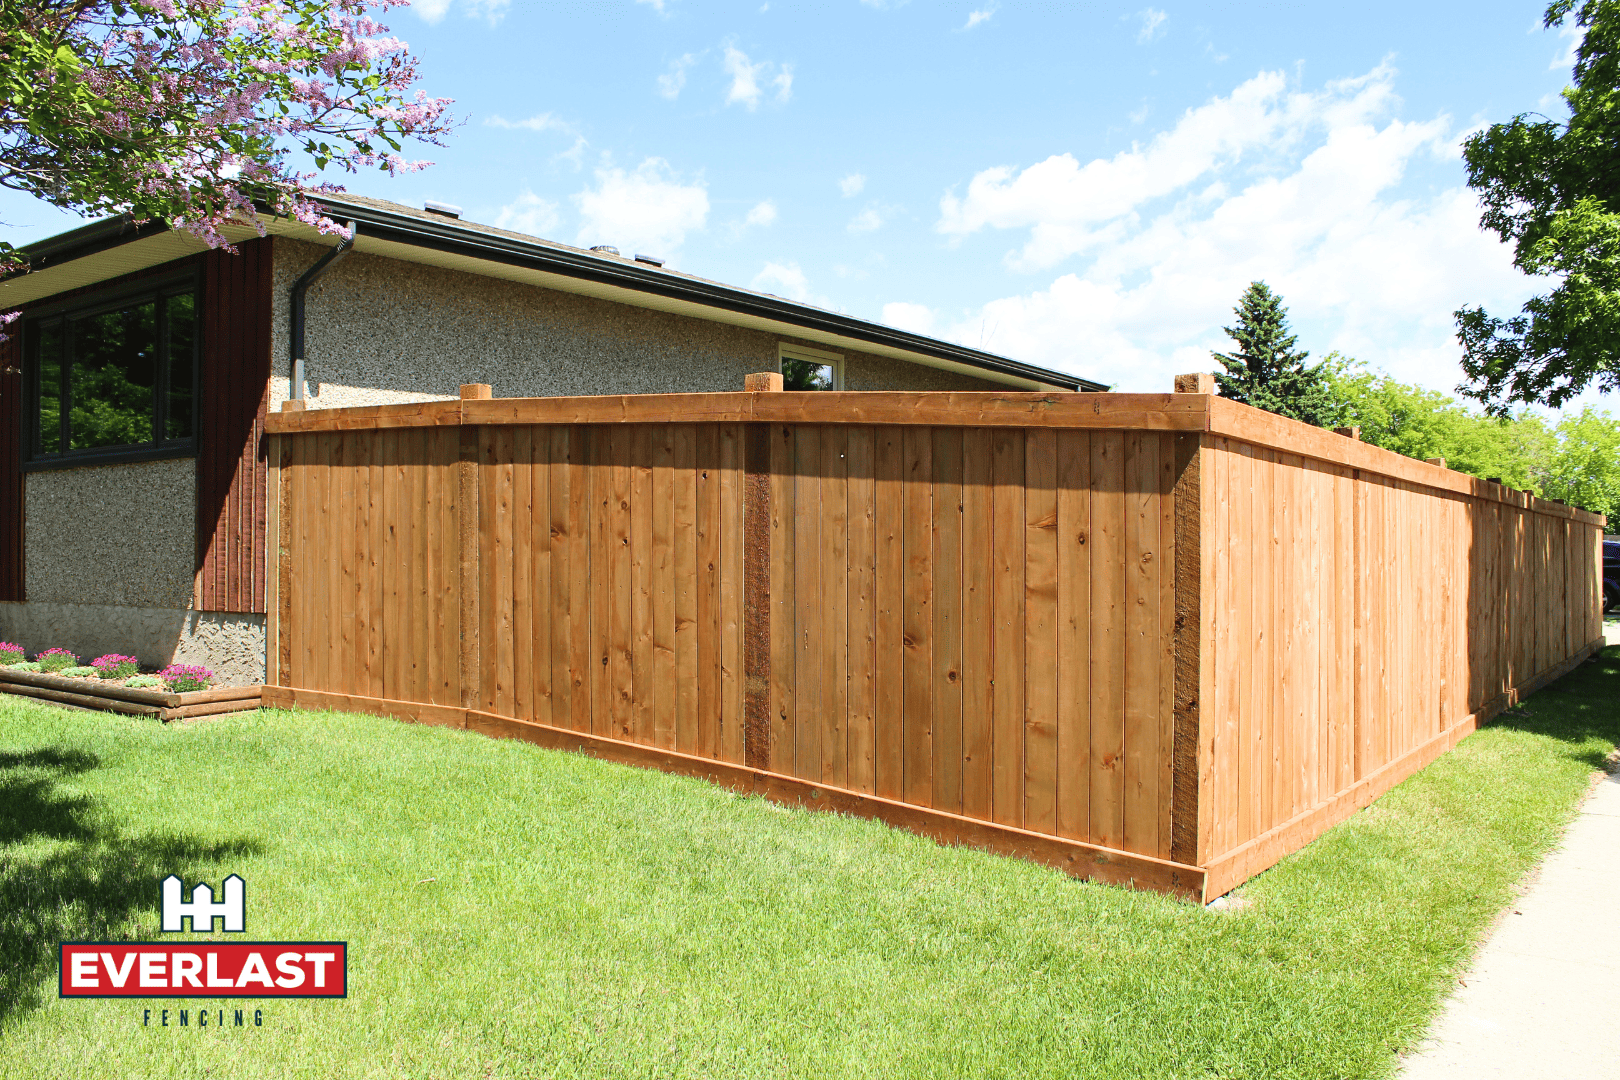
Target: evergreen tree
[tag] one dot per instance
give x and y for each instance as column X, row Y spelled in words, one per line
column 1266, row 371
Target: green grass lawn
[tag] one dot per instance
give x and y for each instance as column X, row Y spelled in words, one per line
column 517, row 912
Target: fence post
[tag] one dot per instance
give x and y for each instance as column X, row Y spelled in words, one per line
column 467, row 541
column 1199, row 382
column 1349, row 432
column 756, row 597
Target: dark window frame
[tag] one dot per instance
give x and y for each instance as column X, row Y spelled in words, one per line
column 151, row 288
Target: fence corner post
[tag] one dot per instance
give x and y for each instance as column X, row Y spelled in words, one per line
column 467, row 540
column 762, row 382
column 1188, row 810
column 476, row 391
column 1199, row 382
column 1348, row 432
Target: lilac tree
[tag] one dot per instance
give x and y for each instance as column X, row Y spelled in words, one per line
column 192, row 111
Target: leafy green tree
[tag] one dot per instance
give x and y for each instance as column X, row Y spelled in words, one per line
column 1267, row 370
column 1551, row 189
column 1576, row 461
column 1585, row 471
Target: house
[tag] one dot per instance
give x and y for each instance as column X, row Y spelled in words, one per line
column 132, row 402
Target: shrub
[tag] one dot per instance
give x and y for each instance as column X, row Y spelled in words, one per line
column 82, row 671
column 56, row 660
column 11, row 654
column 144, row 682
column 114, row 666
column 183, row 677
column 31, row 665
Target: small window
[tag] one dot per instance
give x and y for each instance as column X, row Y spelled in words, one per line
column 810, row 369
column 116, row 380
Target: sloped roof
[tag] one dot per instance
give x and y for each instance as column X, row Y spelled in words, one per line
column 117, row 246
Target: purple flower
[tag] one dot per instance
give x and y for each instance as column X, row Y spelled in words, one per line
column 115, row 666
column 183, row 677
column 56, row 660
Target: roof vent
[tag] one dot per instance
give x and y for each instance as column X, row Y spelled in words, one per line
column 444, row 208
column 650, row 260
column 605, row 249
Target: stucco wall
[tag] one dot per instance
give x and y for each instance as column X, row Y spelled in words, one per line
column 231, row 645
column 380, row 331
column 122, row 535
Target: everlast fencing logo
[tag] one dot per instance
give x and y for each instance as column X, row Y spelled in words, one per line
column 205, row 969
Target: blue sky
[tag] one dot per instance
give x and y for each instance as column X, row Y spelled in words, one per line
column 1085, row 186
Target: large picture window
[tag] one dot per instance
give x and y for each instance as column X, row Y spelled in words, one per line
column 115, row 380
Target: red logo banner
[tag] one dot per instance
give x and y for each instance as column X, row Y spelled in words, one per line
column 236, row 969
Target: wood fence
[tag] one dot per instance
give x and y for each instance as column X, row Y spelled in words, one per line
column 1163, row 639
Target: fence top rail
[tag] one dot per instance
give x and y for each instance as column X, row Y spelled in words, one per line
column 1192, row 412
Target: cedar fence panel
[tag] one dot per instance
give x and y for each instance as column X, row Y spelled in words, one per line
column 1152, row 638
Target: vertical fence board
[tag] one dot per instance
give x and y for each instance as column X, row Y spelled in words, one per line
column 1073, row 634
column 917, row 621
column 889, row 575
column 1007, row 462
column 810, row 637
column 861, row 617
column 1041, row 631
column 978, row 621
column 946, row 687
column 834, row 555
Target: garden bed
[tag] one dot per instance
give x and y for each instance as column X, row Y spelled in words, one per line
column 99, row 694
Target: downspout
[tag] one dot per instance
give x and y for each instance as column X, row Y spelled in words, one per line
column 295, row 332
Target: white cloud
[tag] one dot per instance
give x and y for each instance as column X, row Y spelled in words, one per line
column 1573, row 34
column 1152, row 25
column 491, row 11
column 868, row 220
column 528, row 213
column 748, row 79
column 763, row 213
column 1299, row 189
column 917, row 318
column 1070, row 209
column 538, row 122
column 783, row 279
column 851, row 185
column 648, row 210
column 976, row 17
column 656, row 5
column 671, row 82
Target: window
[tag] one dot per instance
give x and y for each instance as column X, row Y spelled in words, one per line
column 115, row 379
column 810, row 369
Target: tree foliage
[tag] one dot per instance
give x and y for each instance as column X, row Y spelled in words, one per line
column 1551, row 189
column 1575, row 460
column 190, row 110
column 1267, row 370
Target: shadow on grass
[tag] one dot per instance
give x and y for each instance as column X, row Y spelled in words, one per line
column 68, row 872
column 1578, row 710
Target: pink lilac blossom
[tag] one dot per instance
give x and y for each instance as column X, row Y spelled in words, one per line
column 218, row 94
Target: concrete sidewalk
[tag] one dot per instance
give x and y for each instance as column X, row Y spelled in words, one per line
column 1542, row 998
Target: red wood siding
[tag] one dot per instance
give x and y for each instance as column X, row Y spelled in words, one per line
column 11, row 477
column 231, row 466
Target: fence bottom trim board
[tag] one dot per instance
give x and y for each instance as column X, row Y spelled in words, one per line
column 1079, row 860
column 1226, row 872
